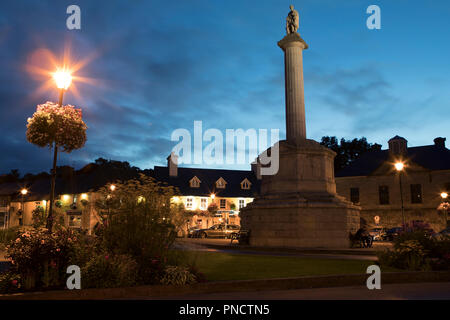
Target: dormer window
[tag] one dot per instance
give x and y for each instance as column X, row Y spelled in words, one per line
column 221, row 183
column 194, row 182
column 246, row 184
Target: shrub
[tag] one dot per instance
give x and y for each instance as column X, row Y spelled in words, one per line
column 416, row 250
column 40, row 257
column 9, row 282
column 38, row 216
column 106, row 271
column 142, row 223
column 175, row 275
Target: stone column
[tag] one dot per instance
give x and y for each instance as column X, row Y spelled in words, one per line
column 293, row 46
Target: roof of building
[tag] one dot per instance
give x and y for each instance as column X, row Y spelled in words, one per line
column 430, row 157
column 208, row 178
column 68, row 181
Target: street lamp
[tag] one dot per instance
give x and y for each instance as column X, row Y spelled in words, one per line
column 23, row 192
column 63, row 79
column 445, row 206
column 399, row 166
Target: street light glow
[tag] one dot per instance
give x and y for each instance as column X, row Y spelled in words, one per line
column 213, row 195
column 63, row 79
column 112, row 187
column 399, row 166
column 444, row 195
column 24, row 191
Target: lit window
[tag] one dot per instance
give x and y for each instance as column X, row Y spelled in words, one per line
column 241, row 203
column 203, row 203
column 223, row 203
column 189, row 203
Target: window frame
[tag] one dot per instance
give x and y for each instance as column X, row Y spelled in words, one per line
column 418, row 196
column 383, row 195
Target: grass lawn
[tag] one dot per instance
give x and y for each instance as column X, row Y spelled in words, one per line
column 225, row 266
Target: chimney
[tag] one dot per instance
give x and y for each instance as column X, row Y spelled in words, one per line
column 439, row 142
column 256, row 168
column 398, row 145
column 172, row 164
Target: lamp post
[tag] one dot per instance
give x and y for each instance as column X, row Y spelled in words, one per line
column 399, row 166
column 63, row 79
column 445, row 205
column 23, row 192
column 108, row 200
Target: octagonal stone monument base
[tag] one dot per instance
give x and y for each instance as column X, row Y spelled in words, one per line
column 299, row 207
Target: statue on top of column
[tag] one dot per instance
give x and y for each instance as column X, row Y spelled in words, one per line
column 292, row 21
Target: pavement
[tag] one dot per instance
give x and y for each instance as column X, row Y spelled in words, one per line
column 403, row 291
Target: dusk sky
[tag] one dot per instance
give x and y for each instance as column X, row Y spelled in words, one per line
column 155, row 66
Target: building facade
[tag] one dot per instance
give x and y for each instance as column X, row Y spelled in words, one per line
column 373, row 182
column 212, row 196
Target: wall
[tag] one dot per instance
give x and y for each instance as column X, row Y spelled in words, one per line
column 433, row 183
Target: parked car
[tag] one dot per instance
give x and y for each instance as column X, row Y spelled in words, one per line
column 442, row 234
column 377, row 233
column 191, row 231
column 392, row 233
column 218, row 231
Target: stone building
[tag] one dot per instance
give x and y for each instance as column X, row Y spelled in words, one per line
column 372, row 182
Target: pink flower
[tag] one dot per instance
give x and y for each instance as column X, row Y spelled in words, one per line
column 14, row 282
column 106, row 257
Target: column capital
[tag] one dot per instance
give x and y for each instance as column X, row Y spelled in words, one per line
column 292, row 40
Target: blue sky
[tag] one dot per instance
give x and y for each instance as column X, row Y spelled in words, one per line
column 161, row 65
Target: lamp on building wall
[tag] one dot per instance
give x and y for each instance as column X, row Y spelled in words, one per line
column 400, row 166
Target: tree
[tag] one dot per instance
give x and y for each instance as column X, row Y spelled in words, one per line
column 56, row 126
column 348, row 151
column 142, row 222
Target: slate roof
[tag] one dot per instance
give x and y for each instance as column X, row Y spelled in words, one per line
column 89, row 178
column 208, row 178
column 431, row 157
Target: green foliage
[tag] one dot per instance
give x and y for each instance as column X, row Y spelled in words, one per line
column 54, row 124
column 105, row 271
column 38, row 216
column 175, row 275
column 348, row 151
column 10, row 282
column 40, row 257
column 212, row 208
column 416, row 250
column 142, row 223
